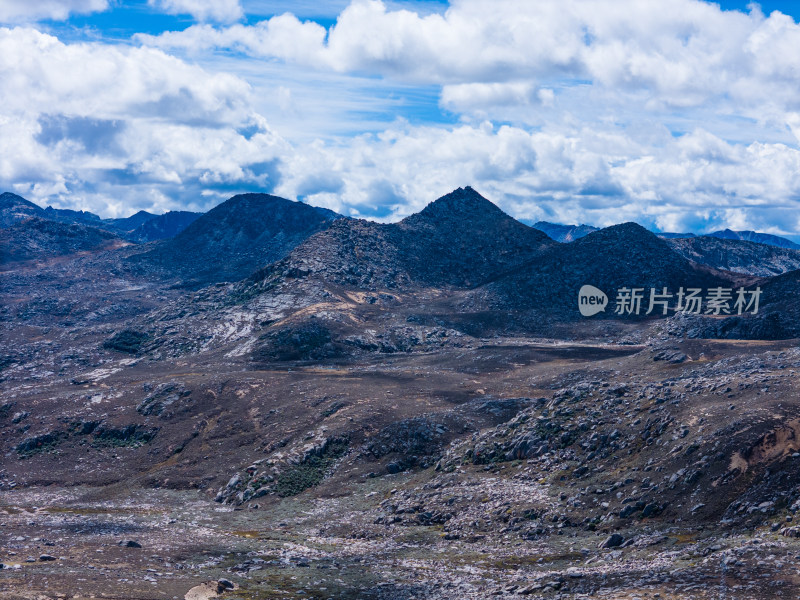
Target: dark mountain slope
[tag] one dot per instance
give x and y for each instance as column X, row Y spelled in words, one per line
column 778, row 316
column 39, row 239
column 235, row 238
column 463, row 240
column 668, row 235
column 624, row 255
column 740, row 256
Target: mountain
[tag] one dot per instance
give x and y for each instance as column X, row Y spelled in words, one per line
column 130, row 223
column 14, row 209
column 625, row 255
column 778, row 316
column 66, row 215
column 40, row 239
column 740, row 256
column 753, row 236
column 564, row 233
column 460, row 240
column 164, row 226
column 235, row 238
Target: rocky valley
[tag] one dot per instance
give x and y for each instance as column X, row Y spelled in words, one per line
column 271, row 400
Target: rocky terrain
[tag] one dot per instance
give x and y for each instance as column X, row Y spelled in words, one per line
column 411, row 410
column 746, row 257
column 38, row 239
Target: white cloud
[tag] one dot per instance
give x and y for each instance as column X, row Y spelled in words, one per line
column 92, row 122
column 26, row 11
column 222, row 11
column 284, row 36
column 468, row 97
column 685, row 52
column 585, row 175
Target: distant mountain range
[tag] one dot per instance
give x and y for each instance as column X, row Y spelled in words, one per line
column 564, row 233
column 460, row 240
column 570, row 233
column 144, row 226
column 140, row 227
column 464, row 242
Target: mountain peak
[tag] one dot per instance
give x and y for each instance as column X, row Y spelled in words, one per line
column 626, row 237
column 14, row 209
column 10, row 199
column 628, row 230
column 460, row 203
column 236, row 237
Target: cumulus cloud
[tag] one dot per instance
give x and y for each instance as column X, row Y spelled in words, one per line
column 25, row 11
column 222, row 11
column 91, row 122
column 554, row 60
column 283, row 36
column 694, row 181
column 466, row 97
column 687, row 52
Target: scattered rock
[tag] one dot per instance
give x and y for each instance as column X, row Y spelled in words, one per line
column 612, row 541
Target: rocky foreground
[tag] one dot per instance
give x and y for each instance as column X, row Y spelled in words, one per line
column 508, row 469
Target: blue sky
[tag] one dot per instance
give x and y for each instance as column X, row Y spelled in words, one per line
column 680, row 115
